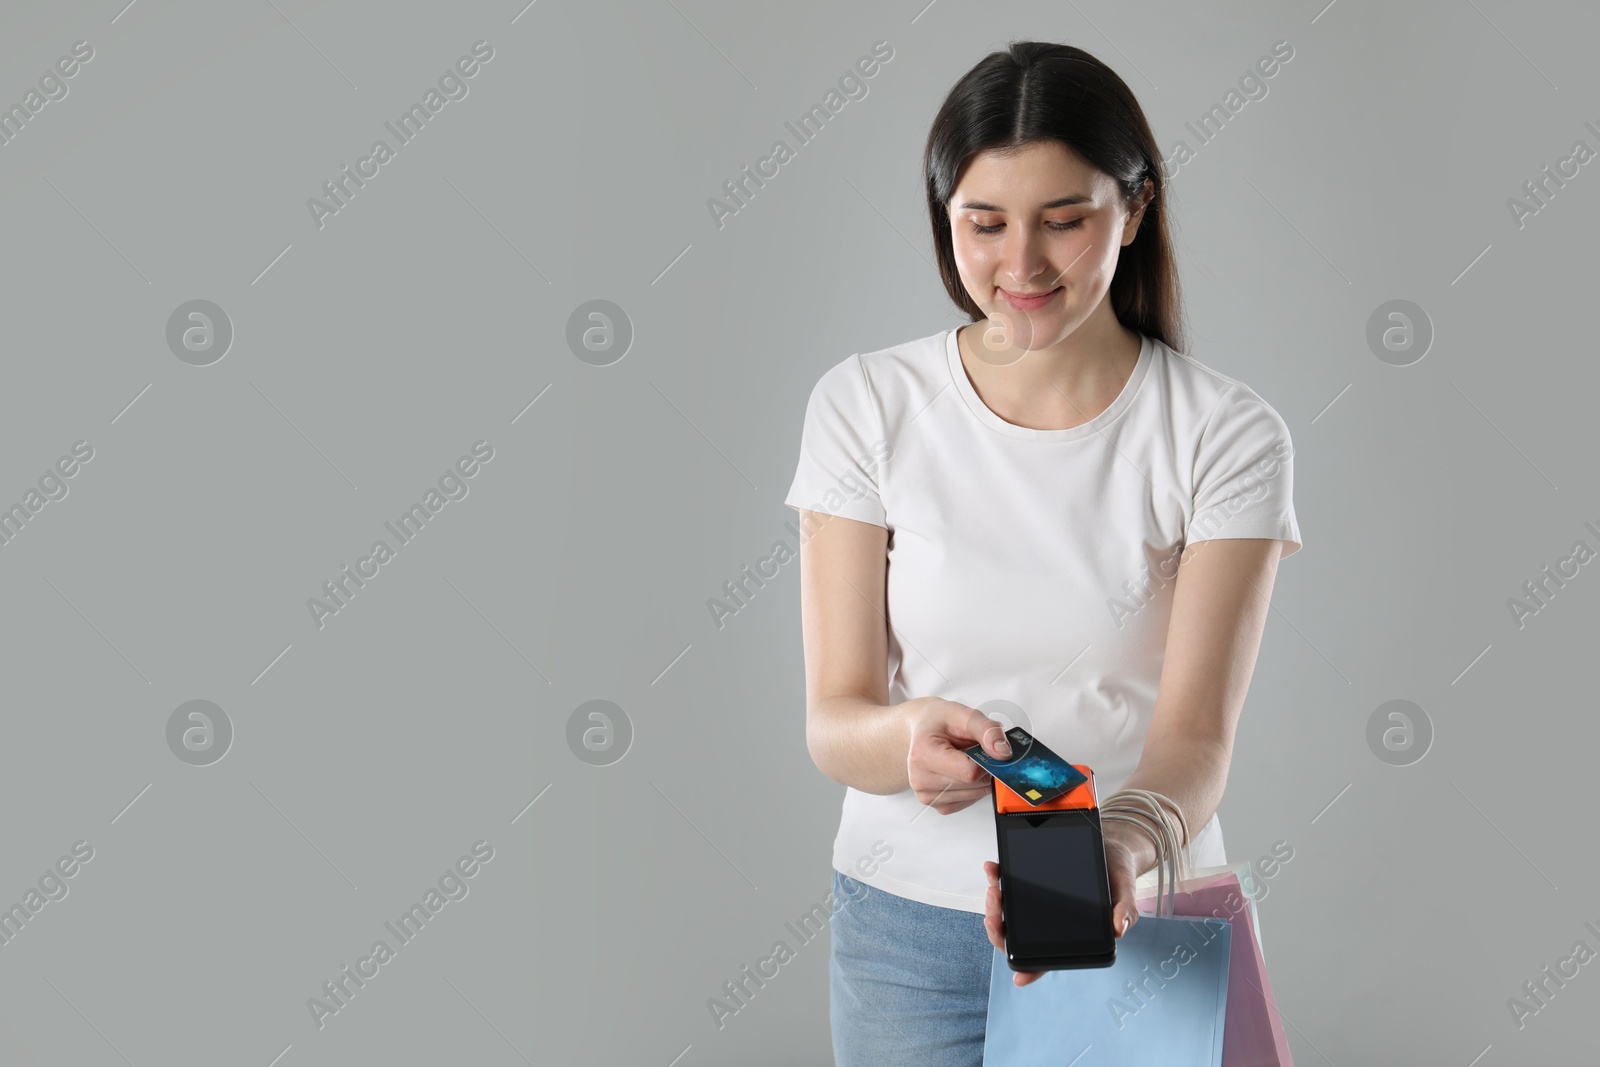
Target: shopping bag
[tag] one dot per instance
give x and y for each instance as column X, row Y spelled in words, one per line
column 1144, row 888
column 1161, row 1004
column 1253, row 1035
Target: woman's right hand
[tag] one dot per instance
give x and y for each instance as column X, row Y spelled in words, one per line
column 941, row 774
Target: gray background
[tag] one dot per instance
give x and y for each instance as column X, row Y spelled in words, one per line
column 371, row 753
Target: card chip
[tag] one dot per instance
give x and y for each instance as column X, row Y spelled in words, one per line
column 1034, row 794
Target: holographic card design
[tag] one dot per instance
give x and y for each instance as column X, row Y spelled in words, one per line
column 1033, row 772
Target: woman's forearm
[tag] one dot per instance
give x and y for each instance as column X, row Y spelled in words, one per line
column 1191, row 772
column 860, row 743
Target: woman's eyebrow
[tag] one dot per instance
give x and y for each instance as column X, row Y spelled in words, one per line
column 1064, row 201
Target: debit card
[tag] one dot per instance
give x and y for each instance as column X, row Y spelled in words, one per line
column 1033, row 772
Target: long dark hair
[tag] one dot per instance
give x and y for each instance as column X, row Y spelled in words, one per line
column 1040, row 91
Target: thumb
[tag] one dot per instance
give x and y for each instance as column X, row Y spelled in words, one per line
column 993, row 736
column 1124, row 910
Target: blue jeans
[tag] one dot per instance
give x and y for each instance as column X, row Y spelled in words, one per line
column 908, row 983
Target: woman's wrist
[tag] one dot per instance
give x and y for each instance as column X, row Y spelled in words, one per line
column 1150, row 828
column 1135, row 842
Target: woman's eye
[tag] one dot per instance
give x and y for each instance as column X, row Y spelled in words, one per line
column 1074, row 224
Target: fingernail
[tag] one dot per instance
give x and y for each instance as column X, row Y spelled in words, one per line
column 1003, row 747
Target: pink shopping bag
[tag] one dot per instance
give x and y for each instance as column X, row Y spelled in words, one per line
column 1253, row 1034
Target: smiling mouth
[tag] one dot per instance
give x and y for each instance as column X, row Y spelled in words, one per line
column 1030, row 301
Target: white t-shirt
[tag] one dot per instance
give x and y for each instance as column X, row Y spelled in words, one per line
column 1030, row 572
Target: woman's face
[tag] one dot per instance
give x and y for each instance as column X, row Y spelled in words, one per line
column 1036, row 222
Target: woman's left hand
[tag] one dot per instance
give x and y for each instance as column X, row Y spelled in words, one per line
column 1121, row 863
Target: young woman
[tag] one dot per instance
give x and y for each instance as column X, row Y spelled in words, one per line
column 1052, row 508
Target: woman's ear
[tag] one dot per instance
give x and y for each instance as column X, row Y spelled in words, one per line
column 1130, row 229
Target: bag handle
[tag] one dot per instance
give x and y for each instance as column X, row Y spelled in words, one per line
column 1162, row 820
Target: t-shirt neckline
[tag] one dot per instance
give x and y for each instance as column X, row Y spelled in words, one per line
column 983, row 413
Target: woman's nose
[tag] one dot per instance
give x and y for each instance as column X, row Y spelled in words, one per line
column 1022, row 260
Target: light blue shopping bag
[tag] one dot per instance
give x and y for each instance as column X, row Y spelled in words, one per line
column 1162, row 1003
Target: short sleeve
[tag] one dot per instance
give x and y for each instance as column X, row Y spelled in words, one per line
column 1244, row 474
column 842, row 448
